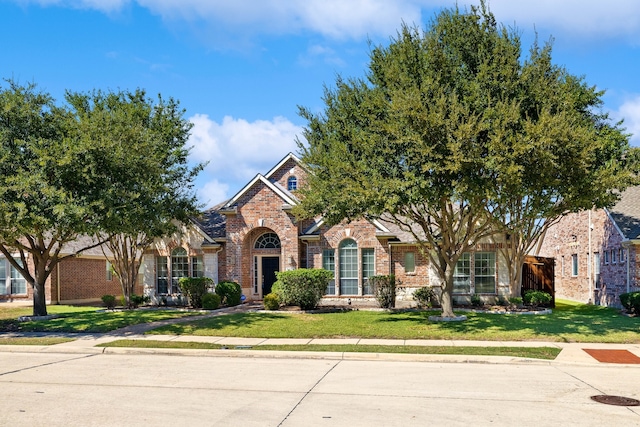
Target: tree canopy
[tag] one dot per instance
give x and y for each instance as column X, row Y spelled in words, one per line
column 97, row 166
column 452, row 136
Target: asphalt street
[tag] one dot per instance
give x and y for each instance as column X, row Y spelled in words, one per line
column 111, row 389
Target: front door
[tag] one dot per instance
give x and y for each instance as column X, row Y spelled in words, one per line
column 270, row 265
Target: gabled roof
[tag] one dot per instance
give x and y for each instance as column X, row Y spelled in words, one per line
column 212, row 223
column 626, row 213
column 286, row 158
column 285, row 195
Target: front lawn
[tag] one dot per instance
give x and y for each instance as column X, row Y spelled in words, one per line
column 83, row 319
column 570, row 322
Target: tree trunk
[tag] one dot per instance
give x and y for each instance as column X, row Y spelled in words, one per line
column 39, row 300
column 446, row 300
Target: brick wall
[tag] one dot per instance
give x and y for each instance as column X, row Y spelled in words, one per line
column 572, row 235
column 85, row 279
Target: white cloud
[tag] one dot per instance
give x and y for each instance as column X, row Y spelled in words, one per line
column 578, row 17
column 237, row 150
column 358, row 19
column 630, row 112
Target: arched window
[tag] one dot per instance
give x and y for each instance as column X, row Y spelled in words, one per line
column 179, row 267
column 348, row 267
column 268, row 241
column 292, row 183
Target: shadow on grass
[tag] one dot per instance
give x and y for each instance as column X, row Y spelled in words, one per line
column 567, row 323
column 209, row 326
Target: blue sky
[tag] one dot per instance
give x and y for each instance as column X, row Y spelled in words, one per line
column 240, row 68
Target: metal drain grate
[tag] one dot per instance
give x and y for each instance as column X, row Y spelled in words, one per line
column 615, row 400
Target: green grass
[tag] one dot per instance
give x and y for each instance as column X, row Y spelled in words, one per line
column 33, row 341
column 570, row 322
column 83, row 319
column 547, row 353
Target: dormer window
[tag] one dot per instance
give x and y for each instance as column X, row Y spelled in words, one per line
column 292, row 183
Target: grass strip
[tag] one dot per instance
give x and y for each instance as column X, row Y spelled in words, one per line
column 546, row 353
column 33, row 341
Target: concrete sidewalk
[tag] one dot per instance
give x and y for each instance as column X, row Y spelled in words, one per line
column 571, row 353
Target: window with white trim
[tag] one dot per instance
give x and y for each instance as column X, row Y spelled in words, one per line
column 410, row 262
column 170, row 269
column 614, row 254
column 606, row 257
column 109, row 271
column 574, row 265
column 484, row 272
column 368, row 270
column 621, row 255
column 11, row 281
column 348, row 258
column 292, row 183
column 462, row 275
column 329, row 264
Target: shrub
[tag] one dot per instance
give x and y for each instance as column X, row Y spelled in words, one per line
column 303, row 287
column 195, row 288
column 631, row 302
column 109, row 301
column 271, row 302
column 211, row 301
column 424, row 297
column 515, row 300
column 536, row 298
column 230, row 293
column 137, row 300
column 385, row 290
column 476, row 301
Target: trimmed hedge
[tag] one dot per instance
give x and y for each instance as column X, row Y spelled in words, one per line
column 631, row 302
column 211, row 301
column 271, row 302
column 195, row 288
column 303, row 287
column 536, row 298
column 230, row 293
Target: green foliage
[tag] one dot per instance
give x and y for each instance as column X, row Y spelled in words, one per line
column 211, row 301
column 109, row 301
column 271, row 302
column 515, row 301
column 536, row 298
column 302, row 287
column 194, row 288
column 476, row 301
column 137, row 300
column 631, row 302
column 230, row 293
column 385, row 290
column 425, row 297
column 452, row 133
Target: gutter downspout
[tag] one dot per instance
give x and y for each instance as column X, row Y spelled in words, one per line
column 58, row 283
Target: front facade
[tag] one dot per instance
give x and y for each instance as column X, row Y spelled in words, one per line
column 597, row 252
column 253, row 235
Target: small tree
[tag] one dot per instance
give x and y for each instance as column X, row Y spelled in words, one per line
column 195, row 288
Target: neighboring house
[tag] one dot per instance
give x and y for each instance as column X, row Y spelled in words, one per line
column 81, row 279
column 253, row 235
column 596, row 252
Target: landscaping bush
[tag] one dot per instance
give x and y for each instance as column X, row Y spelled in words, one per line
column 211, row 301
column 425, row 297
column 109, row 301
column 631, row 302
column 536, row 298
column 303, row 287
column 230, row 293
column 476, row 301
column 271, row 302
column 515, row 301
column 385, row 290
column 194, row 288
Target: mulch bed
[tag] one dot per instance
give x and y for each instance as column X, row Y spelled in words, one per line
column 613, row 356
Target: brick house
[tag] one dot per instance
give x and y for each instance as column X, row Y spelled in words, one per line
column 597, row 252
column 253, row 235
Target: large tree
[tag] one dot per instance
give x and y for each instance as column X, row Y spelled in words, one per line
column 142, row 142
column 428, row 139
column 46, row 199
